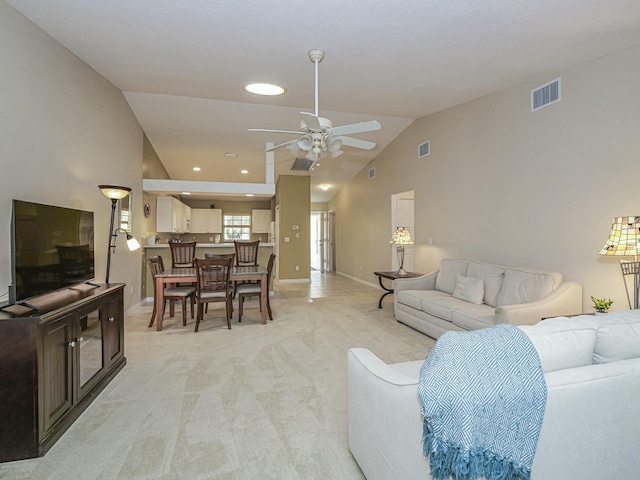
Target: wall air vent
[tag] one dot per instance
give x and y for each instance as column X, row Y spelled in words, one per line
column 424, row 149
column 372, row 173
column 302, row 164
column 546, row 95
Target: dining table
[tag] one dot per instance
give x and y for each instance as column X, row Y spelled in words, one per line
column 189, row 275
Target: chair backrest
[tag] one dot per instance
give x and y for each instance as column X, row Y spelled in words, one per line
column 210, row 256
column 183, row 254
column 246, row 253
column 156, row 265
column 272, row 259
column 213, row 275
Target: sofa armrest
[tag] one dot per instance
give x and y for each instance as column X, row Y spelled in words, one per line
column 424, row 282
column 564, row 300
column 383, row 419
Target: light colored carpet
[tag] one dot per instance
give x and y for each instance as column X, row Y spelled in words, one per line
column 257, row 401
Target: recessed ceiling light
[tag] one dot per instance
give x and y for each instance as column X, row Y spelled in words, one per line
column 324, row 187
column 264, row 89
column 196, row 169
column 186, row 193
column 231, row 155
column 248, row 194
column 244, row 171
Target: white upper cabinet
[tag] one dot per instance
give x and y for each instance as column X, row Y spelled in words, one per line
column 260, row 221
column 206, row 220
column 172, row 216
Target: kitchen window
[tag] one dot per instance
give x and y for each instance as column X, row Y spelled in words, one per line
column 237, row 227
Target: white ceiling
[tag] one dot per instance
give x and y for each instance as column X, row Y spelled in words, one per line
column 182, row 65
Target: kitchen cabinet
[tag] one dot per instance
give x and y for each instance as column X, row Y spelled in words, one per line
column 172, row 216
column 55, row 363
column 206, row 220
column 260, row 221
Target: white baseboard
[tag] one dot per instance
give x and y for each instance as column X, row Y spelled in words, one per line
column 295, row 280
column 374, row 285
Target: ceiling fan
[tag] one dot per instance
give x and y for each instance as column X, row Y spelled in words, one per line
column 318, row 136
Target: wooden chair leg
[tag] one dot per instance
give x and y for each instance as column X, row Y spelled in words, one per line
column 153, row 315
column 172, row 308
column 184, row 311
column 228, row 308
column 191, row 302
column 269, row 310
column 198, row 316
column 240, row 307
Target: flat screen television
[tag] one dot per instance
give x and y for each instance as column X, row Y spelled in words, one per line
column 51, row 248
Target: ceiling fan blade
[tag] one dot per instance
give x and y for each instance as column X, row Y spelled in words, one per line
column 274, row 131
column 290, row 142
column 312, row 121
column 357, row 143
column 361, row 127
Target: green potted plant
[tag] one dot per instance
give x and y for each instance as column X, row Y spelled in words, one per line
column 600, row 304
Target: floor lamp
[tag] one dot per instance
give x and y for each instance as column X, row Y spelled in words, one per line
column 624, row 239
column 115, row 193
column 401, row 237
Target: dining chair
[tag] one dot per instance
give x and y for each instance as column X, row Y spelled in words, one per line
column 156, row 265
column 246, row 254
column 183, row 254
column 213, row 285
column 254, row 290
column 220, row 255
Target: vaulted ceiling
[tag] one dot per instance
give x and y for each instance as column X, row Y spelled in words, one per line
column 182, row 65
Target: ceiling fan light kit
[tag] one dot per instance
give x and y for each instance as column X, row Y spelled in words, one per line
column 319, row 138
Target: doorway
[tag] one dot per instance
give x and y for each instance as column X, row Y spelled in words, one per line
column 319, row 241
column 403, row 215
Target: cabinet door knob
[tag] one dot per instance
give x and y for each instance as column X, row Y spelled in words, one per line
column 72, row 344
column 79, row 339
column 111, row 319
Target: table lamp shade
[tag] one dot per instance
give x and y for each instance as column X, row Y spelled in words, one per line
column 401, row 236
column 624, row 238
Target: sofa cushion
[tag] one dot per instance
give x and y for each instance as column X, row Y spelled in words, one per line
column 473, row 317
column 520, row 286
column 449, row 268
column 562, row 343
column 492, row 277
column 414, row 298
column 618, row 335
column 469, row 289
column 443, row 306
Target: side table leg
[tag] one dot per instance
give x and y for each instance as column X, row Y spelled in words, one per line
column 388, row 292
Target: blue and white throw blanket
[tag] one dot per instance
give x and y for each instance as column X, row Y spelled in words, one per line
column 483, row 397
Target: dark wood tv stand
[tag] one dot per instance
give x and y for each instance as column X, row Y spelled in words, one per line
column 54, row 361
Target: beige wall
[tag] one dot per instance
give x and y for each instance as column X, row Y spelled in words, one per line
column 64, row 130
column 508, row 186
column 293, row 196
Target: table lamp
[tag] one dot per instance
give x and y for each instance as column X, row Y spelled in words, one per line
column 624, row 239
column 401, row 237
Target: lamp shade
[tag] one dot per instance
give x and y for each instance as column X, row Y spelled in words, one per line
column 624, row 238
column 132, row 243
column 401, row 236
column 114, row 192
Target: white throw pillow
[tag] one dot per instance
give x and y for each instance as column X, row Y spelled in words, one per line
column 469, row 289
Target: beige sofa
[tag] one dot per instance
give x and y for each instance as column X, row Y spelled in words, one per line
column 468, row 295
column 591, row 425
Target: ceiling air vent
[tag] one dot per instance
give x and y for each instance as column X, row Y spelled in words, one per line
column 302, row 164
column 424, row 149
column 372, row 173
column 546, row 95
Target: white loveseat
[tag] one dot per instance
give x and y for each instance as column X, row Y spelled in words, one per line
column 467, row 295
column 591, row 425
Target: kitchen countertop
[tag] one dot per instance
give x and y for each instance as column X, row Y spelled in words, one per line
column 207, row 245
